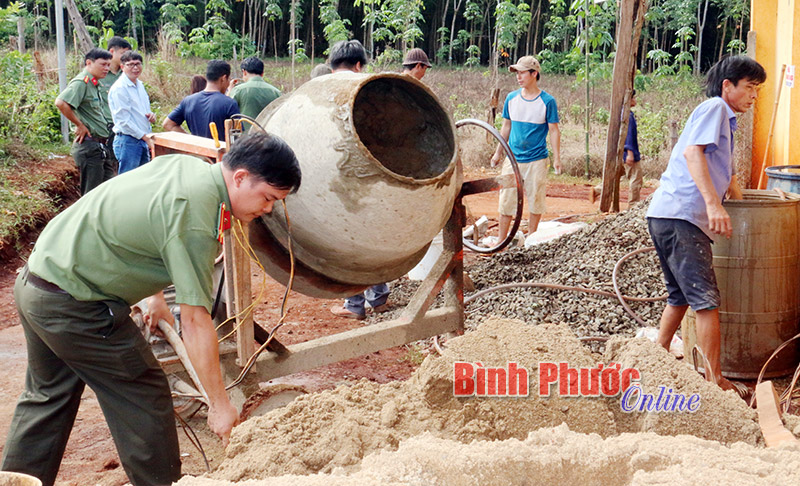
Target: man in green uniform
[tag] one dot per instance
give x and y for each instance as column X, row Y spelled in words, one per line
column 254, row 93
column 82, row 103
column 117, row 46
column 128, row 239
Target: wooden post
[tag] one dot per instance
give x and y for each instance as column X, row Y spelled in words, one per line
column 21, row 34
column 629, row 30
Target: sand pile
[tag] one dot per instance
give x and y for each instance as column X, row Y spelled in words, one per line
column 723, row 416
column 338, row 428
column 557, row 456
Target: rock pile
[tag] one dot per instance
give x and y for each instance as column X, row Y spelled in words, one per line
column 585, row 259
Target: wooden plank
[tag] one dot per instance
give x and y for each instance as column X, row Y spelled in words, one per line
column 769, row 416
column 357, row 342
column 176, row 142
column 245, row 334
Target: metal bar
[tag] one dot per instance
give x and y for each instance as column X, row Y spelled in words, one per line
column 423, row 298
column 357, row 342
column 507, row 181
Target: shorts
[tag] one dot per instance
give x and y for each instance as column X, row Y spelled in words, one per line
column 686, row 260
column 534, row 176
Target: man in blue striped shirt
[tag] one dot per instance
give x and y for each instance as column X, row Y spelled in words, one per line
column 529, row 114
column 130, row 110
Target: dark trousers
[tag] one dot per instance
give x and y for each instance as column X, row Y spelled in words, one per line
column 96, row 163
column 71, row 344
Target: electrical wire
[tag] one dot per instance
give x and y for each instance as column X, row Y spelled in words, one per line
column 193, row 439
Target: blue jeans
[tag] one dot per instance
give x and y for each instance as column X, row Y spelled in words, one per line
column 131, row 152
column 375, row 295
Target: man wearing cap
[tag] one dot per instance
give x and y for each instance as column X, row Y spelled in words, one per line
column 529, row 114
column 416, row 63
column 82, row 103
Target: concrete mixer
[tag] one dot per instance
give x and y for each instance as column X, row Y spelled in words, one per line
column 381, row 178
column 378, row 157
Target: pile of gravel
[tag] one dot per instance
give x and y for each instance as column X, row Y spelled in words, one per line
column 584, row 259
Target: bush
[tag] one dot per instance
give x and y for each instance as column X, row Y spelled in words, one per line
column 26, row 113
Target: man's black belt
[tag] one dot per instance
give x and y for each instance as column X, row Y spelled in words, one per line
column 43, row 284
column 102, row 140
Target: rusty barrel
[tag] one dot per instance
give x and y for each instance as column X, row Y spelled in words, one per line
column 758, row 273
column 378, row 157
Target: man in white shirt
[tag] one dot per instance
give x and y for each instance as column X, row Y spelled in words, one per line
column 130, row 110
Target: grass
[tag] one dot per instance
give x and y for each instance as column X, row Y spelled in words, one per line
column 463, row 93
column 26, row 198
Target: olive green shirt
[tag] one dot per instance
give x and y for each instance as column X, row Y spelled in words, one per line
column 105, row 87
column 137, row 233
column 83, row 95
column 254, row 95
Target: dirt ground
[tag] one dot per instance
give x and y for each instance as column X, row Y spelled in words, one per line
column 91, row 458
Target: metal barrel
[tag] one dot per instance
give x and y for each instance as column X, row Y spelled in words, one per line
column 378, row 156
column 758, row 273
column 784, row 177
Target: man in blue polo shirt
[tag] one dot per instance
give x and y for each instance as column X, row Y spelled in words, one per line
column 529, row 114
column 686, row 212
column 210, row 105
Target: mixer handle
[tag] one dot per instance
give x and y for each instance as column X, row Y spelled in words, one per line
column 518, row 178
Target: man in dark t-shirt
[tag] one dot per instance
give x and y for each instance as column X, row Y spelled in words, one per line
column 210, row 105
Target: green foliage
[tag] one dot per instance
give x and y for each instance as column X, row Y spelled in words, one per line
column 26, row 113
column 511, row 21
column 601, row 115
column 335, row 29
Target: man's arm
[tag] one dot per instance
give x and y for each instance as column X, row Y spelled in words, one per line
column 555, row 141
column 718, row 220
column 171, row 126
column 200, row 339
column 734, row 189
column 499, row 153
column 66, row 109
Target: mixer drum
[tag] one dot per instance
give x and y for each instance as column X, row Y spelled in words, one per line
column 378, row 156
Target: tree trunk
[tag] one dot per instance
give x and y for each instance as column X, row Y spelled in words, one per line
column 701, row 23
column 722, row 39
column 628, row 32
column 444, row 22
column 84, row 40
column 133, row 23
column 456, row 7
column 311, row 23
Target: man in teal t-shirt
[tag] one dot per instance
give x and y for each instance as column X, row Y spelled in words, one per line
column 529, row 114
column 126, row 240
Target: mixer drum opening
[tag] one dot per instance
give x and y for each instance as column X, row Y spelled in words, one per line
column 404, row 128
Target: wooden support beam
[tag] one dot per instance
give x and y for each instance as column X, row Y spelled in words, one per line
column 245, row 334
column 629, row 30
column 769, row 416
column 184, row 143
column 357, row 342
